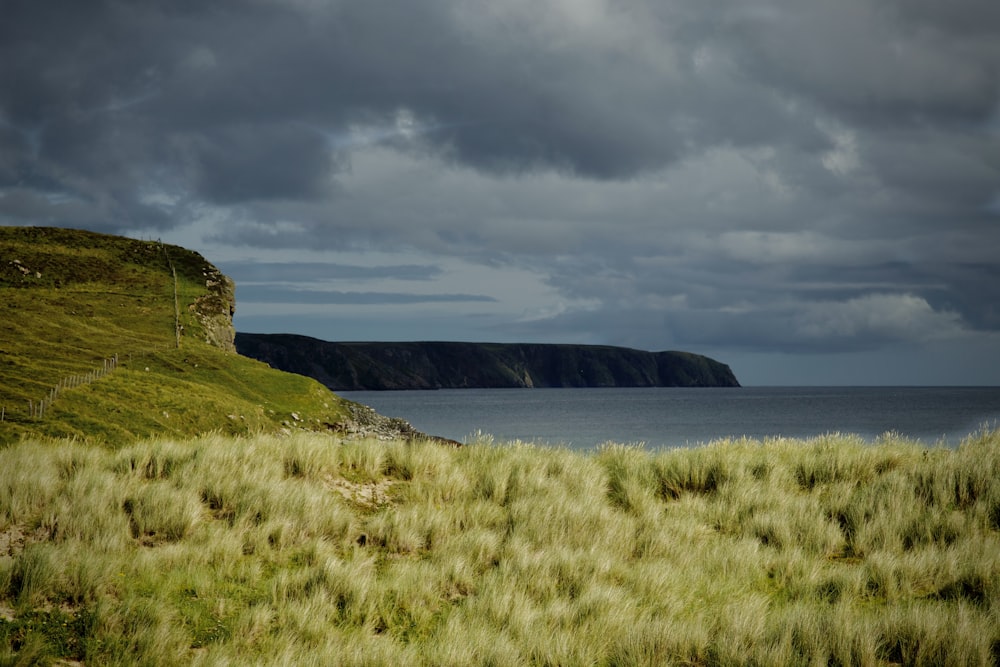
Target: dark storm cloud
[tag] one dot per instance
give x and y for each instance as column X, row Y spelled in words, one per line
column 247, row 162
column 768, row 175
column 880, row 64
column 229, row 90
column 118, row 90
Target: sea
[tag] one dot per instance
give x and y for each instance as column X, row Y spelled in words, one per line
column 662, row 417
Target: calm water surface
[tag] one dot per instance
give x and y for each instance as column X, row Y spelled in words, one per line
column 670, row 417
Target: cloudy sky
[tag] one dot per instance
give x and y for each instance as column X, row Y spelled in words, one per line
column 808, row 190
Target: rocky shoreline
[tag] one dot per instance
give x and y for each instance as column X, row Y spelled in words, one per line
column 365, row 422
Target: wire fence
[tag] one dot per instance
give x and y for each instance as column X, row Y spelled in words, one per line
column 177, row 303
column 37, row 409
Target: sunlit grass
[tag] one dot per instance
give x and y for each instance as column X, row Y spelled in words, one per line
column 74, row 299
column 308, row 550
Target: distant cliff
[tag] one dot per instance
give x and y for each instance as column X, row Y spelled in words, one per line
column 439, row 365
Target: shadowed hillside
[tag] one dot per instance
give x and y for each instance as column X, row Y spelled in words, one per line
column 438, row 365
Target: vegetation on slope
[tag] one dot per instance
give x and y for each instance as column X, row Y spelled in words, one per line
column 73, row 300
column 308, row 550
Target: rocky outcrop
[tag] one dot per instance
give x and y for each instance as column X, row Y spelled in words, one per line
column 444, row 365
column 364, row 422
column 215, row 309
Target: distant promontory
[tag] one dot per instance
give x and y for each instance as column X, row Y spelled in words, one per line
column 451, row 365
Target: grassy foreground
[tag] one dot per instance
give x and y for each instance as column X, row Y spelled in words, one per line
column 310, row 551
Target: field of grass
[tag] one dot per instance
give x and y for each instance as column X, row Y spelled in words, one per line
column 307, row 550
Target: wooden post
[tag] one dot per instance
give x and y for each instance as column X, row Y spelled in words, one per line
column 177, row 309
column 177, row 305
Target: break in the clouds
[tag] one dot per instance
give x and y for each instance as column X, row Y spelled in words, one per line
column 758, row 180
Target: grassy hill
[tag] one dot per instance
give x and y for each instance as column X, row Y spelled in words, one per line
column 113, row 339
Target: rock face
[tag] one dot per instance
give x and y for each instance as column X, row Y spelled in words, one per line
column 440, row 365
column 215, row 309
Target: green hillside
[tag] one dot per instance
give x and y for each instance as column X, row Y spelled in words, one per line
column 111, row 339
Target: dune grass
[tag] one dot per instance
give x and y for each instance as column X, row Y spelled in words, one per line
column 306, row 550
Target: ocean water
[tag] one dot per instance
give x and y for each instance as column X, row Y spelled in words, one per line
column 677, row 417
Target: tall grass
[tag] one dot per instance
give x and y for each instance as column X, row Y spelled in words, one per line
column 309, row 550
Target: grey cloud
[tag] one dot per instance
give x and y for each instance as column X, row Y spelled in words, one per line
column 247, row 162
column 883, row 63
column 971, row 289
column 510, row 92
column 812, row 303
column 773, row 175
column 125, row 86
column 273, row 294
column 856, row 324
column 939, row 173
column 318, row 271
column 61, row 209
column 13, row 145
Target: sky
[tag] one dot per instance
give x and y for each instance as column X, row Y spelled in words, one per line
column 806, row 190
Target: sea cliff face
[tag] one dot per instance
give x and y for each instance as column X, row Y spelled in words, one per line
column 215, row 309
column 444, row 365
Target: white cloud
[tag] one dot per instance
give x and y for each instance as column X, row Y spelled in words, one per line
column 201, row 58
column 762, row 247
column 843, row 158
column 890, row 317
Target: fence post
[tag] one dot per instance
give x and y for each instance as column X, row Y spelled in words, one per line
column 177, row 309
column 37, row 410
